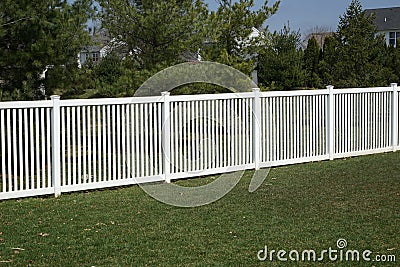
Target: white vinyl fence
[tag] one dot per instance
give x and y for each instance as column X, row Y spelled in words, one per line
column 50, row 147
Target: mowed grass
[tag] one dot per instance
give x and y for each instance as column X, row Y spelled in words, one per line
column 305, row 206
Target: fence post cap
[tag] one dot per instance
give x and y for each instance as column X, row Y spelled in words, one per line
column 393, row 84
column 55, row 97
column 256, row 89
column 165, row 93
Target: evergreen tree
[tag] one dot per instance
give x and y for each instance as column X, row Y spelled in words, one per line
column 360, row 50
column 328, row 61
column 228, row 29
column 157, row 33
column 163, row 33
column 37, row 34
column 311, row 63
column 280, row 63
column 393, row 63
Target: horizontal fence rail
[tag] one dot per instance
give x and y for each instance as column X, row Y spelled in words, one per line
column 50, row 147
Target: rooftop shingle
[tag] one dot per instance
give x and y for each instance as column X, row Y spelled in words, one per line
column 386, row 18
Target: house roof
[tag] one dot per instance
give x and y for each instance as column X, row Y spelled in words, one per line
column 101, row 38
column 386, row 18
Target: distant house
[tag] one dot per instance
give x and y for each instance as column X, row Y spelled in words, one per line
column 387, row 21
column 103, row 45
column 100, row 47
column 96, row 51
column 255, row 33
column 93, row 53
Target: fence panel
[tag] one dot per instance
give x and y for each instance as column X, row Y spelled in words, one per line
column 362, row 122
column 210, row 135
column 294, row 128
column 25, row 151
column 110, row 145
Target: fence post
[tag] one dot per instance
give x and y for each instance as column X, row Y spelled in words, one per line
column 257, row 128
column 166, row 136
column 330, row 122
column 395, row 116
column 55, row 135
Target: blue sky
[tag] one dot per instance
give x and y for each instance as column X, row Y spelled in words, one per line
column 306, row 14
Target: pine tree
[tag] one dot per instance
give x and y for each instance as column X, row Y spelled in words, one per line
column 280, row 63
column 393, row 63
column 155, row 32
column 360, row 50
column 311, row 62
column 326, row 68
column 36, row 34
column 162, row 33
column 228, row 29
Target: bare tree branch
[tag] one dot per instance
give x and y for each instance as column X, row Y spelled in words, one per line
column 15, row 21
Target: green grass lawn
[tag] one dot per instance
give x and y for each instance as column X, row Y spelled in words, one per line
column 305, row 206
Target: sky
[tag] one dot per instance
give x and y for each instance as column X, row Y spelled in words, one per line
column 304, row 15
